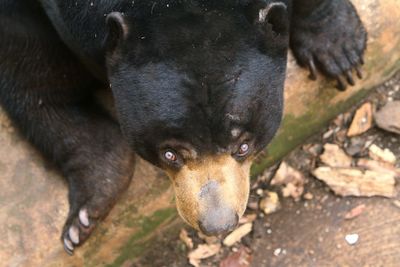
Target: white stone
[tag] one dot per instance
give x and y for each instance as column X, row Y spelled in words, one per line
column 351, row 239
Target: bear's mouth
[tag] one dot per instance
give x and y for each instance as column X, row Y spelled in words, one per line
column 212, row 192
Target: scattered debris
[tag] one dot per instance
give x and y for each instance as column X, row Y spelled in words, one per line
column 385, row 155
column 208, row 239
column 313, row 149
column 378, row 166
column 362, row 120
column 355, row 212
column 396, row 203
column 308, row 196
column 351, row 239
column 266, row 177
column 184, row 237
column 248, row 218
column 252, row 204
column 292, row 180
column 334, row 156
column 355, row 182
column 356, row 146
column 277, row 252
column 328, row 134
column 341, row 136
column 388, row 117
column 270, row 203
column 203, row 251
column 339, row 120
column 240, row 258
column 237, row 234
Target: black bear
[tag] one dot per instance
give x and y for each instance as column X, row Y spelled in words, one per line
column 197, row 85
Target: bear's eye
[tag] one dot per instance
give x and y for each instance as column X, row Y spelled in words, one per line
column 169, row 155
column 243, row 150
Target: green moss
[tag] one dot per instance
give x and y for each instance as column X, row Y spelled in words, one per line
column 127, row 216
column 294, row 130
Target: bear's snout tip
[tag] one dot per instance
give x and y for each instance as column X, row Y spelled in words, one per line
column 219, row 221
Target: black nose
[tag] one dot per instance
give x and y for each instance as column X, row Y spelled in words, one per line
column 218, row 221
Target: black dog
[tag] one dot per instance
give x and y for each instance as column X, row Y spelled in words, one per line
column 198, row 88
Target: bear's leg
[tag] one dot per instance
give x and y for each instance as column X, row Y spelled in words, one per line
column 328, row 35
column 98, row 164
column 48, row 95
column 90, row 151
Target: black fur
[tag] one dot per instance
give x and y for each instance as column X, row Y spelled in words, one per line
column 181, row 72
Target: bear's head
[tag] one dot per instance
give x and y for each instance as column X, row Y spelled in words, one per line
column 198, row 87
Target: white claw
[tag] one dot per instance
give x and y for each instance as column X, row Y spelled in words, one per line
column 68, row 244
column 84, row 217
column 74, row 234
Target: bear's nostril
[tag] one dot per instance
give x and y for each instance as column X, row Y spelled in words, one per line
column 215, row 223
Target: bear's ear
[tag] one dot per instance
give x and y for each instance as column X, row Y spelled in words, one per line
column 117, row 30
column 275, row 16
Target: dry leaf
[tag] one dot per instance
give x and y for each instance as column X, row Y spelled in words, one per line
column 334, row 156
column 396, row 203
column 355, row 212
column 292, row 180
column 354, row 182
column 362, row 120
column 270, row 203
column 248, row 218
column 237, row 234
column 388, row 118
column 378, row 166
column 240, row 258
column 385, row 155
column 203, row 251
column 184, row 237
column 209, row 239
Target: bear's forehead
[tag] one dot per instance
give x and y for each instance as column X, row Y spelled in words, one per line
column 183, row 32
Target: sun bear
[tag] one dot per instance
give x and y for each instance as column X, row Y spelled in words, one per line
column 197, row 85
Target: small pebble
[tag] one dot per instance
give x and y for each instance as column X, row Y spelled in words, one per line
column 259, row 192
column 308, row 196
column 351, row 239
column 277, row 251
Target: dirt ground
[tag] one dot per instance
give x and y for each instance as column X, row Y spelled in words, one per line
column 313, row 230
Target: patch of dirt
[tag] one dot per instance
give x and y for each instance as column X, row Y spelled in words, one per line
column 313, row 226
